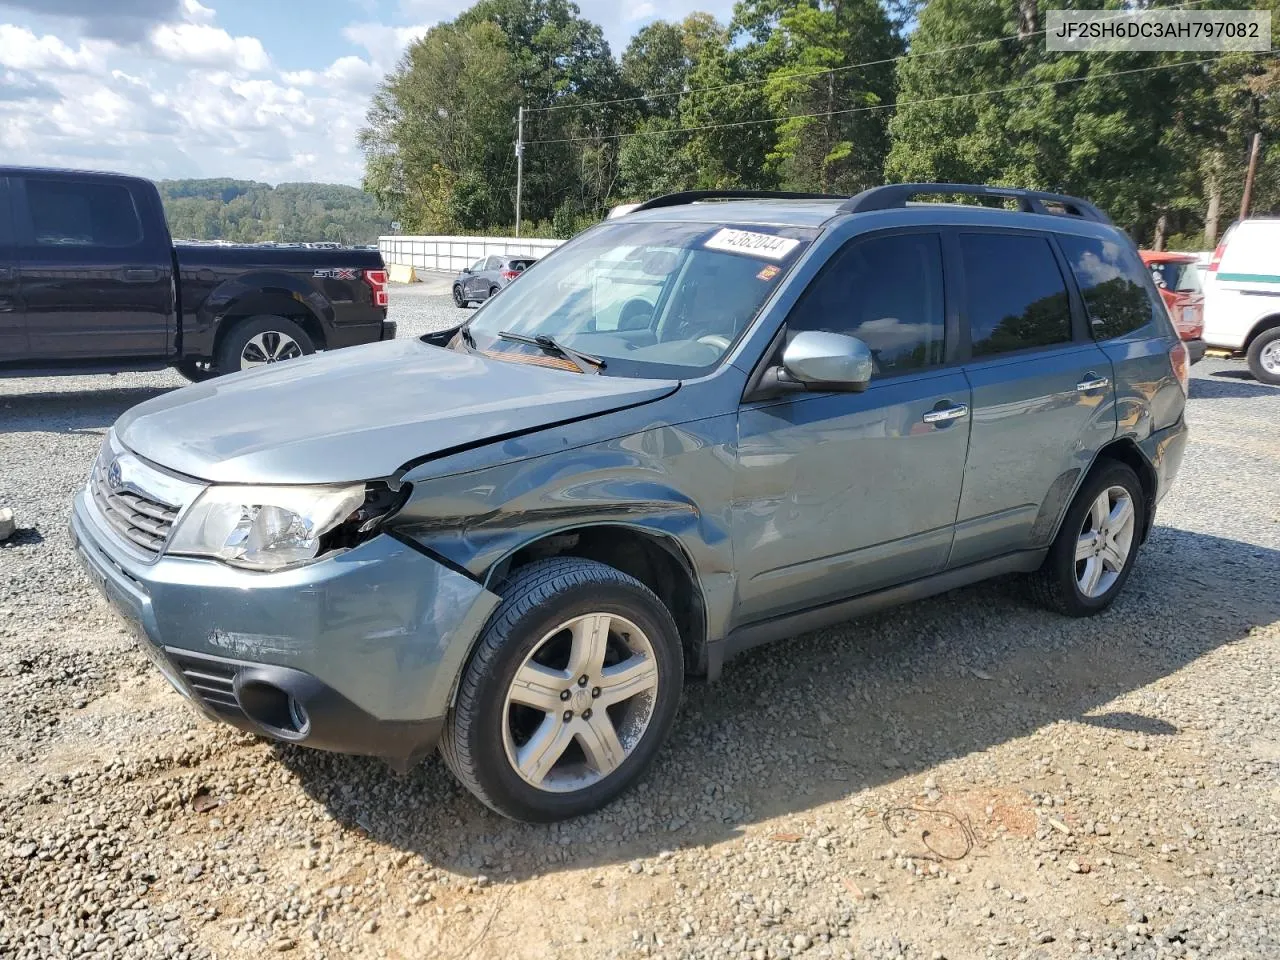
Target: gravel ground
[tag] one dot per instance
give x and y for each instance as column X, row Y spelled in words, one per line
column 963, row 777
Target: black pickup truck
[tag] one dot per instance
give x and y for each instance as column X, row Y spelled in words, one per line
column 91, row 281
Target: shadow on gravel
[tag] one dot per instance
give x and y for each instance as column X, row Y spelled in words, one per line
column 73, row 411
column 823, row 716
column 1230, row 384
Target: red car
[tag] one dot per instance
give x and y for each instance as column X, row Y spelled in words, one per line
column 1178, row 279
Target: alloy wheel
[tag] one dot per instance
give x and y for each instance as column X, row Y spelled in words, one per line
column 1105, row 541
column 270, row 346
column 580, row 703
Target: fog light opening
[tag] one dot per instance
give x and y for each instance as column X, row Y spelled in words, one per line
column 274, row 710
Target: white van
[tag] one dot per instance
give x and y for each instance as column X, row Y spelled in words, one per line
column 1242, row 296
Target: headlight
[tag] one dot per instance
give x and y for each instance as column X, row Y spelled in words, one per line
column 264, row 528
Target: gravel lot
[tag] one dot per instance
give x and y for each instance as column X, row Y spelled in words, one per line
column 964, row 777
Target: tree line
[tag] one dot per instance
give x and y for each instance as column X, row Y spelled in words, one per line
column 245, row 211
column 812, row 95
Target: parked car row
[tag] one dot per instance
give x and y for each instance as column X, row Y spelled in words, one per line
column 710, row 423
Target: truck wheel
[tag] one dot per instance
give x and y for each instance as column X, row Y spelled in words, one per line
column 1095, row 550
column 258, row 341
column 1264, row 356
column 195, row 370
column 571, row 691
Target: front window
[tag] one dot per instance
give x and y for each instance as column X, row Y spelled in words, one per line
column 650, row 299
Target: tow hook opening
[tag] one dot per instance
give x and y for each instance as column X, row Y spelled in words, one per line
column 275, row 710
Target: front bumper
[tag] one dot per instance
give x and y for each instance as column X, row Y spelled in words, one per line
column 357, row 653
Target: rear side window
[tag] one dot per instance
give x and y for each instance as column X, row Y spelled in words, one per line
column 82, row 214
column 1016, row 297
column 1113, row 281
column 887, row 292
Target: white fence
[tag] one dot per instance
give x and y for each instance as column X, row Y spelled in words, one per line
column 454, row 253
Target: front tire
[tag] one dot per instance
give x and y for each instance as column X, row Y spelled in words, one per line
column 1264, row 357
column 264, row 340
column 458, row 299
column 1094, row 553
column 570, row 693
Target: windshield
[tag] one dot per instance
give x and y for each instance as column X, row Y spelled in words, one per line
column 651, row 299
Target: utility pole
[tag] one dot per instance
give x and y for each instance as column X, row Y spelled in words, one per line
column 519, row 164
column 1248, row 177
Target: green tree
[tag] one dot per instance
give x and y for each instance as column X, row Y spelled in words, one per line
column 437, row 140
column 836, row 137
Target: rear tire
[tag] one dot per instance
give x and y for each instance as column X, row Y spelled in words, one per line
column 1264, row 357
column 569, row 694
column 259, row 341
column 494, row 291
column 1094, row 553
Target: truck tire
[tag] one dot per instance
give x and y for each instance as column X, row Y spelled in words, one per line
column 569, row 694
column 258, row 341
column 1264, row 357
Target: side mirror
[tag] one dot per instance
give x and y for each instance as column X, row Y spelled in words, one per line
column 466, row 271
column 827, row 361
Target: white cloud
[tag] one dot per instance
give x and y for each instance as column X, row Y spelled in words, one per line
column 199, row 44
column 352, row 74
column 21, row 49
column 196, row 12
column 385, row 43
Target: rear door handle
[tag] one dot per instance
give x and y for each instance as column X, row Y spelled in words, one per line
column 946, row 414
column 141, row 275
column 6, row 273
column 1092, row 382
column 6, row 306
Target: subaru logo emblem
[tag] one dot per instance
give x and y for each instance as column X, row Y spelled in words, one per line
column 115, row 477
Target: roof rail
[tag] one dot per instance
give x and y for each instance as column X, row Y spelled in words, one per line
column 694, row 196
column 894, row 195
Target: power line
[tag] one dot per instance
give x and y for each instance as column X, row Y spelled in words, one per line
column 896, row 103
column 822, row 73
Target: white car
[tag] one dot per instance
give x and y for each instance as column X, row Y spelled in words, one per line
column 1242, row 296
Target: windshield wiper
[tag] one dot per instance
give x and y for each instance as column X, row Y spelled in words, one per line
column 552, row 345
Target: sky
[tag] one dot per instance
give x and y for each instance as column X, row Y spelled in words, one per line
column 270, row 90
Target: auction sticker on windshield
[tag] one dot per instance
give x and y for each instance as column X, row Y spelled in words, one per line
column 764, row 245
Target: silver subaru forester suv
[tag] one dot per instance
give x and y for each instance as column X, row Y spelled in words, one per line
column 713, row 422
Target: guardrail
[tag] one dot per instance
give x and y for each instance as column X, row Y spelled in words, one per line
column 453, row 253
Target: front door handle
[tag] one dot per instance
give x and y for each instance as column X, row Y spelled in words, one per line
column 141, row 275
column 1092, row 381
column 946, row 414
column 6, row 273
column 6, row 305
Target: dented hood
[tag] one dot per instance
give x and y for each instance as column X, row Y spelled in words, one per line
column 362, row 413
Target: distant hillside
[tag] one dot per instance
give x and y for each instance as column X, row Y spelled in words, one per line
column 245, row 211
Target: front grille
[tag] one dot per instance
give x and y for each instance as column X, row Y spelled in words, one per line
column 210, row 679
column 142, row 521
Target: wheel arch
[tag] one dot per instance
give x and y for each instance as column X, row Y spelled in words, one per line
column 1263, row 325
column 270, row 303
column 1121, row 450
column 656, row 559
